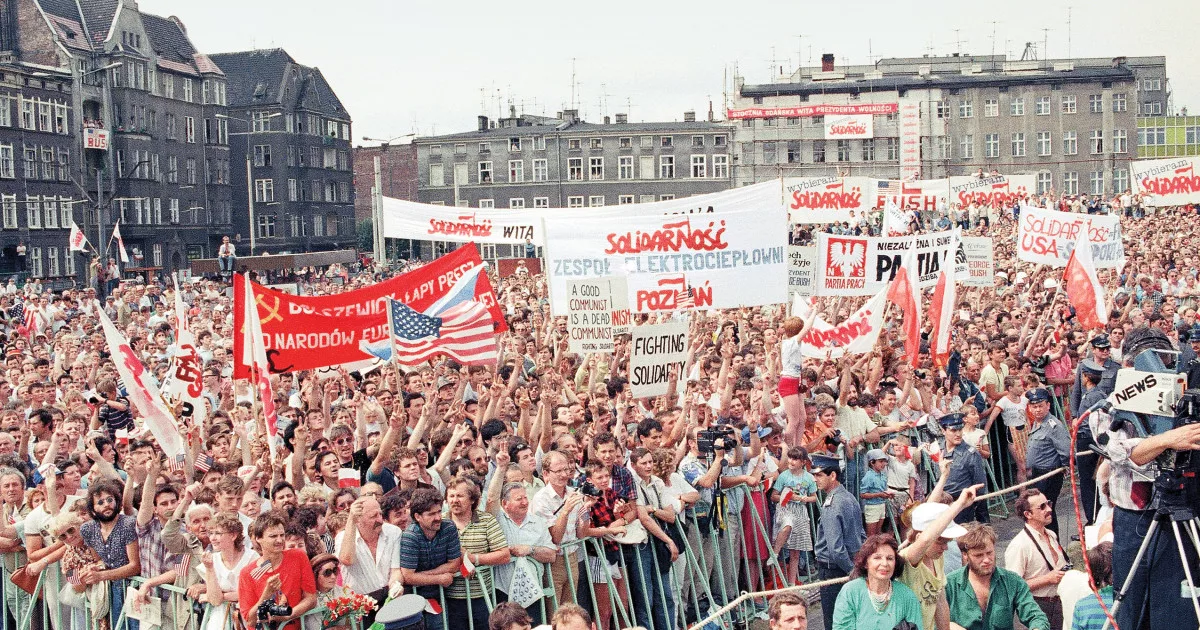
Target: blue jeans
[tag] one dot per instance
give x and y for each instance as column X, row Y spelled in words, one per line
column 657, row 583
column 116, row 594
column 1153, row 594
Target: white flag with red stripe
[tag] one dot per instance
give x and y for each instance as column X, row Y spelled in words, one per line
column 1084, row 291
column 348, row 478
column 255, row 355
column 79, row 242
column 903, row 292
column 941, row 315
column 120, row 242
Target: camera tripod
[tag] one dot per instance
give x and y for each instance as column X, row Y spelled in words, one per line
column 1169, row 506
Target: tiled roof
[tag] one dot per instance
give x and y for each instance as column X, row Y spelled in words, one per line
column 248, row 70
column 167, row 40
column 205, row 64
column 70, row 33
column 99, row 16
column 175, row 66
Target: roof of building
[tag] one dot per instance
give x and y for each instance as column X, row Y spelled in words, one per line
column 582, row 128
column 99, row 15
column 937, row 81
column 262, row 77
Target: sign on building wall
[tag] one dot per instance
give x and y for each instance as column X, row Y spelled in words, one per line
column 910, row 139
column 812, row 110
column 849, row 126
column 94, row 138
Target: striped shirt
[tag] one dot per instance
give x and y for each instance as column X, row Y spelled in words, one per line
column 482, row 535
column 420, row 553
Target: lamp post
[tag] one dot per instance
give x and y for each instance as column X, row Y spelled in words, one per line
column 379, row 246
column 100, row 243
column 249, row 174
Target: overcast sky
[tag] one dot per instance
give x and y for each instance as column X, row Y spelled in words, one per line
column 401, row 66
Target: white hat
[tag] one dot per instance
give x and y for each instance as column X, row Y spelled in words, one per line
column 1021, row 275
column 1002, row 274
column 925, row 514
column 1050, row 283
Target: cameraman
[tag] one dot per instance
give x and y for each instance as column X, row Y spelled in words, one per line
column 703, row 471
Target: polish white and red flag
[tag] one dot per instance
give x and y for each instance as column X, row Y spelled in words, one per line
column 79, row 242
column 255, row 356
column 1084, row 291
column 941, row 315
column 903, row 292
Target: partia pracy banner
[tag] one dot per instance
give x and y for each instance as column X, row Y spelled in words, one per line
column 862, row 265
column 309, row 332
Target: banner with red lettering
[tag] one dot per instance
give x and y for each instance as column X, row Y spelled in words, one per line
column 919, row 195
column 864, row 265
column 1168, row 182
column 309, row 332
column 848, row 126
column 1048, row 236
column 992, row 190
column 423, row 221
column 856, row 335
column 828, row 198
column 726, row 259
column 812, row 110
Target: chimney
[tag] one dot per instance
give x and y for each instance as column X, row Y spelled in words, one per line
column 689, row 116
column 483, row 123
column 827, row 62
column 1117, row 62
column 622, row 119
column 607, row 120
column 570, row 115
column 177, row 22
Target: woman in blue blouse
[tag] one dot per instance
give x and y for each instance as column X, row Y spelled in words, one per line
column 874, row 599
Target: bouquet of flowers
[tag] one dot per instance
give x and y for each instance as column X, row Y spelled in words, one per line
column 339, row 609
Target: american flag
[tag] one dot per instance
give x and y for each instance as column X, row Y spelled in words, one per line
column 456, row 325
column 177, row 463
column 889, row 188
column 203, row 462
column 685, row 299
column 181, row 568
column 261, row 570
column 73, row 577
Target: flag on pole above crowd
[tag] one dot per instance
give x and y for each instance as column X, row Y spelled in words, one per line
column 254, row 354
column 116, row 235
column 184, row 383
column 903, row 292
column 456, row 325
column 941, row 315
column 1084, row 291
column 79, row 242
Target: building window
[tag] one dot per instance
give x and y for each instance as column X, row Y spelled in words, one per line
column 625, row 143
column 262, row 155
column 793, row 121
column 942, row 109
column 625, row 167
column 35, row 262
column 575, row 201
column 574, row 144
column 8, row 168
column 293, row 190
column 1018, row 144
column 991, row 145
column 6, row 104
column 769, row 121
column 819, row 151
column 50, row 207
column 541, row 202
column 699, row 165
column 991, row 108
column 1070, row 183
column 1152, row 136
column 596, row 143
column 647, row 142
column 1152, row 108
column 697, row 141
column 769, row 153
column 514, row 144
column 624, row 200
column 460, row 149
column 964, row 109
column 666, row 142
column 189, row 129
column 516, row 203
column 1151, row 85
column 720, row 164
column 264, row 190
column 966, row 147
column 1119, row 104
column 437, row 175
column 266, row 226
column 945, row 150
column 1120, row 141
column 173, row 209
column 1016, row 107
column 33, row 212
column 1096, row 141
column 650, row 198
column 1043, row 143
column 666, row 197
column 843, row 150
column 719, row 141
column 575, row 169
column 596, row 168
column 1120, row 180
column 666, row 166
column 1041, row 107
column 539, row 170
column 1095, row 103
column 646, row 168
column 485, row 172
column 8, row 203
column 595, row 201
column 1068, row 104
column 487, row 203
column 1096, row 182
column 516, row 171
column 868, row 150
column 1070, row 143
column 1191, row 136
column 1045, row 181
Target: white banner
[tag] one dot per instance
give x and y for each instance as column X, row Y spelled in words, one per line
column 856, row 335
column 910, row 138
column 801, row 261
column 847, row 126
column 184, row 383
column 657, row 347
column 1168, row 182
column 423, row 221
column 980, row 260
column 827, row 199
column 992, row 190
column 622, row 316
column 862, row 265
column 726, row 259
column 1048, row 236
column 919, row 196
column 590, row 319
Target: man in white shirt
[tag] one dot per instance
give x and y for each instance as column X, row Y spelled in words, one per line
column 528, row 536
column 1036, row 556
column 372, row 555
column 560, row 508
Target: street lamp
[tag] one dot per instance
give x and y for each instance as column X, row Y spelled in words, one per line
column 379, row 247
column 249, row 173
column 108, row 67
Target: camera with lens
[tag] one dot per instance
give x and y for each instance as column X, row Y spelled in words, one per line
column 1038, row 367
column 268, row 610
column 590, row 490
column 834, row 439
column 920, row 374
column 719, row 438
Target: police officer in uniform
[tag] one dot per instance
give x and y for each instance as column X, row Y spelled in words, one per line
column 1191, row 365
column 966, row 468
column 840, row 531
column 1102, row 356
column 1049, row 447
column 1086, row 461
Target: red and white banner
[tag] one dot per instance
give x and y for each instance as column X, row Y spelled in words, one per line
column 1168, row 182
column 78, row 241
column 1048, row 236
column 812, row 110
column 992, row 190
column 848, row 126
column 856, row 335
column 120, row 242
column 1084, row 291
column 309, row 332
column 827, row 199
column 863, row 265
column 941, row 315
column 184, row 384
column 142, row 391
column 922, row 195
column 910, row 139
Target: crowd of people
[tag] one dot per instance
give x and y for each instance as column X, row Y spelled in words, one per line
column 538, row 490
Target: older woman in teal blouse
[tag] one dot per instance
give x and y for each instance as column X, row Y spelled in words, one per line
column 874, row 599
